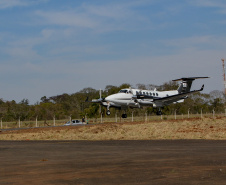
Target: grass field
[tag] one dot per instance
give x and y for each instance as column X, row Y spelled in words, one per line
column 116, row 119
column 193, row 128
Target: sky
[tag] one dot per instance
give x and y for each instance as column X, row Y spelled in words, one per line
column 51, row 47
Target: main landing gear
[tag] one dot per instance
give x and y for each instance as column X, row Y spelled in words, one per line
column 124, row 115
column 159, row 112
column 108, row 113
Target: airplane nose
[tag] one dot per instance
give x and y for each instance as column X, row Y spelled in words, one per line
column 108, row 98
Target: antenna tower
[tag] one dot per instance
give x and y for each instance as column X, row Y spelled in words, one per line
column 224, row 76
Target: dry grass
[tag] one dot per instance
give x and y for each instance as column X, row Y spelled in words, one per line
column 205, row 128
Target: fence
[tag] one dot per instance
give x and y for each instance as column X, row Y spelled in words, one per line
column 116, row 119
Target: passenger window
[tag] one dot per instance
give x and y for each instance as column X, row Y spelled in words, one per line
column 157, row 94
column 150, row 94
column 153, row 94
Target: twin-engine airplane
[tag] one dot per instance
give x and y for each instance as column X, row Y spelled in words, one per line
column 136, row 98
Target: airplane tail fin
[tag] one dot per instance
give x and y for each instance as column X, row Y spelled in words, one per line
column 186, row 83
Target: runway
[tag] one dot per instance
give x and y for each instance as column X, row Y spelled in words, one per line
column 113, row 162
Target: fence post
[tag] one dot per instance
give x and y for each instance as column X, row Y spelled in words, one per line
column 1, row 123
column 132, row 116
column 54, row 122
column 19, row 121
column 188, row 112
column 101, row 117
column 36, row 121
column 175, row 114
column 70, row 119
column 86, row 120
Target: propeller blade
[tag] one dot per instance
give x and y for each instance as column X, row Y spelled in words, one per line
column 100, row 93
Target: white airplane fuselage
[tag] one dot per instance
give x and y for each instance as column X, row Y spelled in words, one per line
column 125, row 98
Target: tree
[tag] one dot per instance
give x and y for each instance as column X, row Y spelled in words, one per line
column 24, row 102
column 217, row 100
column 44, row 99
column 167, row 86
column 141, row 86
column 110, row 89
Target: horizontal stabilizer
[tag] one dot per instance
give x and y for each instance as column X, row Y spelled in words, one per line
column 189, row 78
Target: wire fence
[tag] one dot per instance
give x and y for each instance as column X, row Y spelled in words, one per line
column 117, row 119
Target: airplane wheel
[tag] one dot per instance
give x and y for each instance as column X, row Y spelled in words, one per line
column 108, row 112
column 124, row 115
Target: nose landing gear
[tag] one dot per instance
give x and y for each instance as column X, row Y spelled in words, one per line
column 108, row 113
column 108, row 109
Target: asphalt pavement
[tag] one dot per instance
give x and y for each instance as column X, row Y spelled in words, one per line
column 113, row 162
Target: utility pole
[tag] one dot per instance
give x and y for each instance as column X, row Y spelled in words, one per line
column 224, row 76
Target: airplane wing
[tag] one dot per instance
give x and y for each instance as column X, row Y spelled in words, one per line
column 96, row 100
column 100, row 100
column 169, row 99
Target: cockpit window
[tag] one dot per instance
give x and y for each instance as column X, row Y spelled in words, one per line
column 123, row 91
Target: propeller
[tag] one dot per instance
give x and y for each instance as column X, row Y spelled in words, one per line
column 134, row 99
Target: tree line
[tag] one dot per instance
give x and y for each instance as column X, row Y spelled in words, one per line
column 75, row 105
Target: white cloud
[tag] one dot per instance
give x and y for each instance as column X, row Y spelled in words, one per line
column 103, row 18
column 220, row 4
column 67, row 19
column 15, row 3
column 12, row 3
column 112, row 11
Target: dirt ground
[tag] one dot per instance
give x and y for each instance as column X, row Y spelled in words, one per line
column 206, row 128
column 113, row 162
